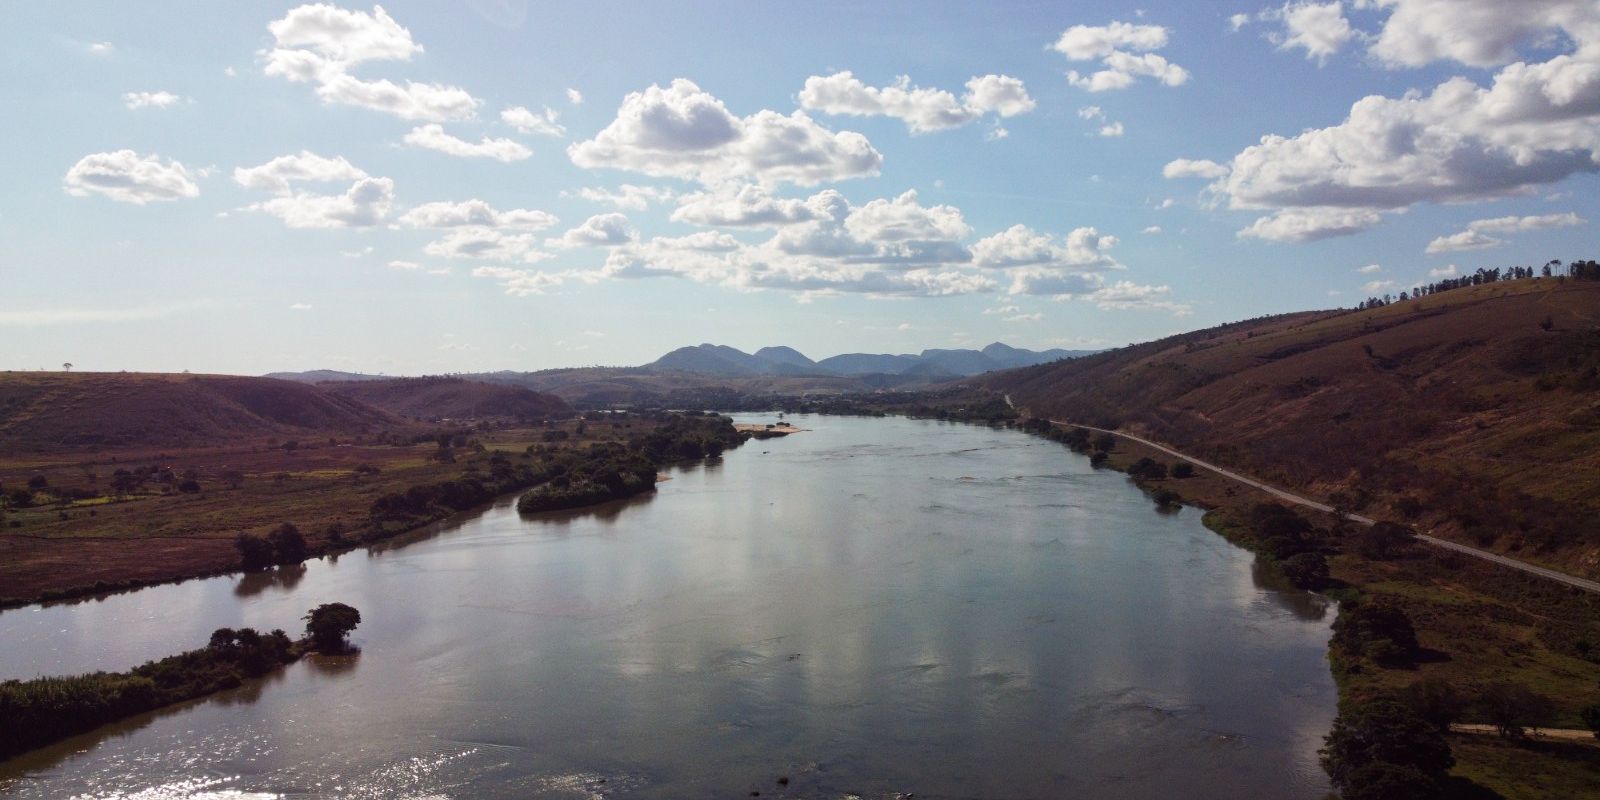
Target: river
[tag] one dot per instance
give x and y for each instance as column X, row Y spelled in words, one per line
column 870, row 607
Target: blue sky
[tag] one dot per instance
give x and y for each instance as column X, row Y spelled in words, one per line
column 428, row 188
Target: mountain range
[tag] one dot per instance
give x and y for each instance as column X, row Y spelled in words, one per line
column 725, row 361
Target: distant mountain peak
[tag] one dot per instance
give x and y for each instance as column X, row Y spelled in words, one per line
column 725, row 361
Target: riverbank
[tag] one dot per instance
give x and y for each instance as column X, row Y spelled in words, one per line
column 1477, row 625
column 146, row 531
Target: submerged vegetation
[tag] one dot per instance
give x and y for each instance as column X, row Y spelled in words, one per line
column 44, row 710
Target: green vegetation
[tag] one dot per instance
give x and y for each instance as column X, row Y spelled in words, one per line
column 615, row 470
column 44, row 710
column 329, row 625
column 1386, row 751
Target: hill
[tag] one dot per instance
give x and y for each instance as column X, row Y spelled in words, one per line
column 323, row 376
column 452, row 398
column 1473, row 411
column 44, row 411
column 722, row 360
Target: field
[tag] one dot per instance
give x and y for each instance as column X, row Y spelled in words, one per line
column 157, row 531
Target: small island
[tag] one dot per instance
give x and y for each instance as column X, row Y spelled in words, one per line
column 46, row 710
column 609, row 471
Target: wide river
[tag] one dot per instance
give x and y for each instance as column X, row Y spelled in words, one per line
column 871, row 607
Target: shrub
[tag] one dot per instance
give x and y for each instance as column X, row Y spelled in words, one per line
column 1148, row 469
column 1306, row 570
column 288, row 544
column 1384, row 541
column 327, row 625
column 1183, row 469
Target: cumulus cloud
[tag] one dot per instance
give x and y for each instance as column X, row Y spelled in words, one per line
column 1123, row 50
column 474, row 213
column 600, row 230
column 321, row 43
column 433, row 137
column 277, row 175
column 1127, row 295
column 141, row 100
column 627, row 196
column 364, row 204
column 1193, row 168
column 1021, row 246
column 746, row 206
column 486, row 244
column 1318, row 28
column 1113, row 129
column 1476, row 236
column 522, row 282
column 127, row 177
column 1369, row 269
column 1532, row 125
column 922, row 109
column 681, row 131
column 1311, row 224
column 1446, row 271
column 526, row 121
column 574, row 97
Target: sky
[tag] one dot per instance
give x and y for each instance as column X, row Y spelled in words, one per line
column 423, row 188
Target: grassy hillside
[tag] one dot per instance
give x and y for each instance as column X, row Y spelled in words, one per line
column 1474, row 412
column 46, row 411
column 452, row 399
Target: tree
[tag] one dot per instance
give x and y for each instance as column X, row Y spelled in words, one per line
column 328, row 624
column 1105, row 442
column 288, row 545
column 254, row 552
column 1183, row 469
column 1591, row 718
column 189, row 486
column 1384, row 540
column 66, row 367
column 1306, row 570
column 1379, row 630
column 1149, row 469
column 1383, row 750
column 1435, row 700
column 38, row 483
column 1512, row 708
column 232, row 477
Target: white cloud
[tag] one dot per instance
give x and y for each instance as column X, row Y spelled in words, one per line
column 433, row 137
column 102, row 48
column 127, row 177
column 78, row 316
column 627, row 196
column 474, row 213
column 365, row 204
column 1130, row 296
column 683, row 132
column 1319, row 28
column 141, row 100
column 1193, row 168
column 1311, row 224
column 1091, row 112
column 300, row 307
column 1447, row 271
column 1369, row 269
column 526, row 121
column 1034, row 317
column 1532, row 125
column 923, row 110
column 600, row 230
column 277, row 175
column 574, row 97
column 905, row 219
column 321, row 43
column 1476, row 236
column 1111, row 130
column 746, row 206
column 486, row 244
column 1115, row 45
column 1021, row 246
column 523, row 283
column 1152, row 230
column 1373, row 287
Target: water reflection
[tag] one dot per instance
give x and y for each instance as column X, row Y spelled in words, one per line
column 872, row 606
column 1309, row 606
column 283, row 578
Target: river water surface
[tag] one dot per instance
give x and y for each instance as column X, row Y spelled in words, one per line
column 871, row 607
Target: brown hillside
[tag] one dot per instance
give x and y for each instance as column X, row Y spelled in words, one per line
column 452, row 398
column 45, row 411
column 1474, row 411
